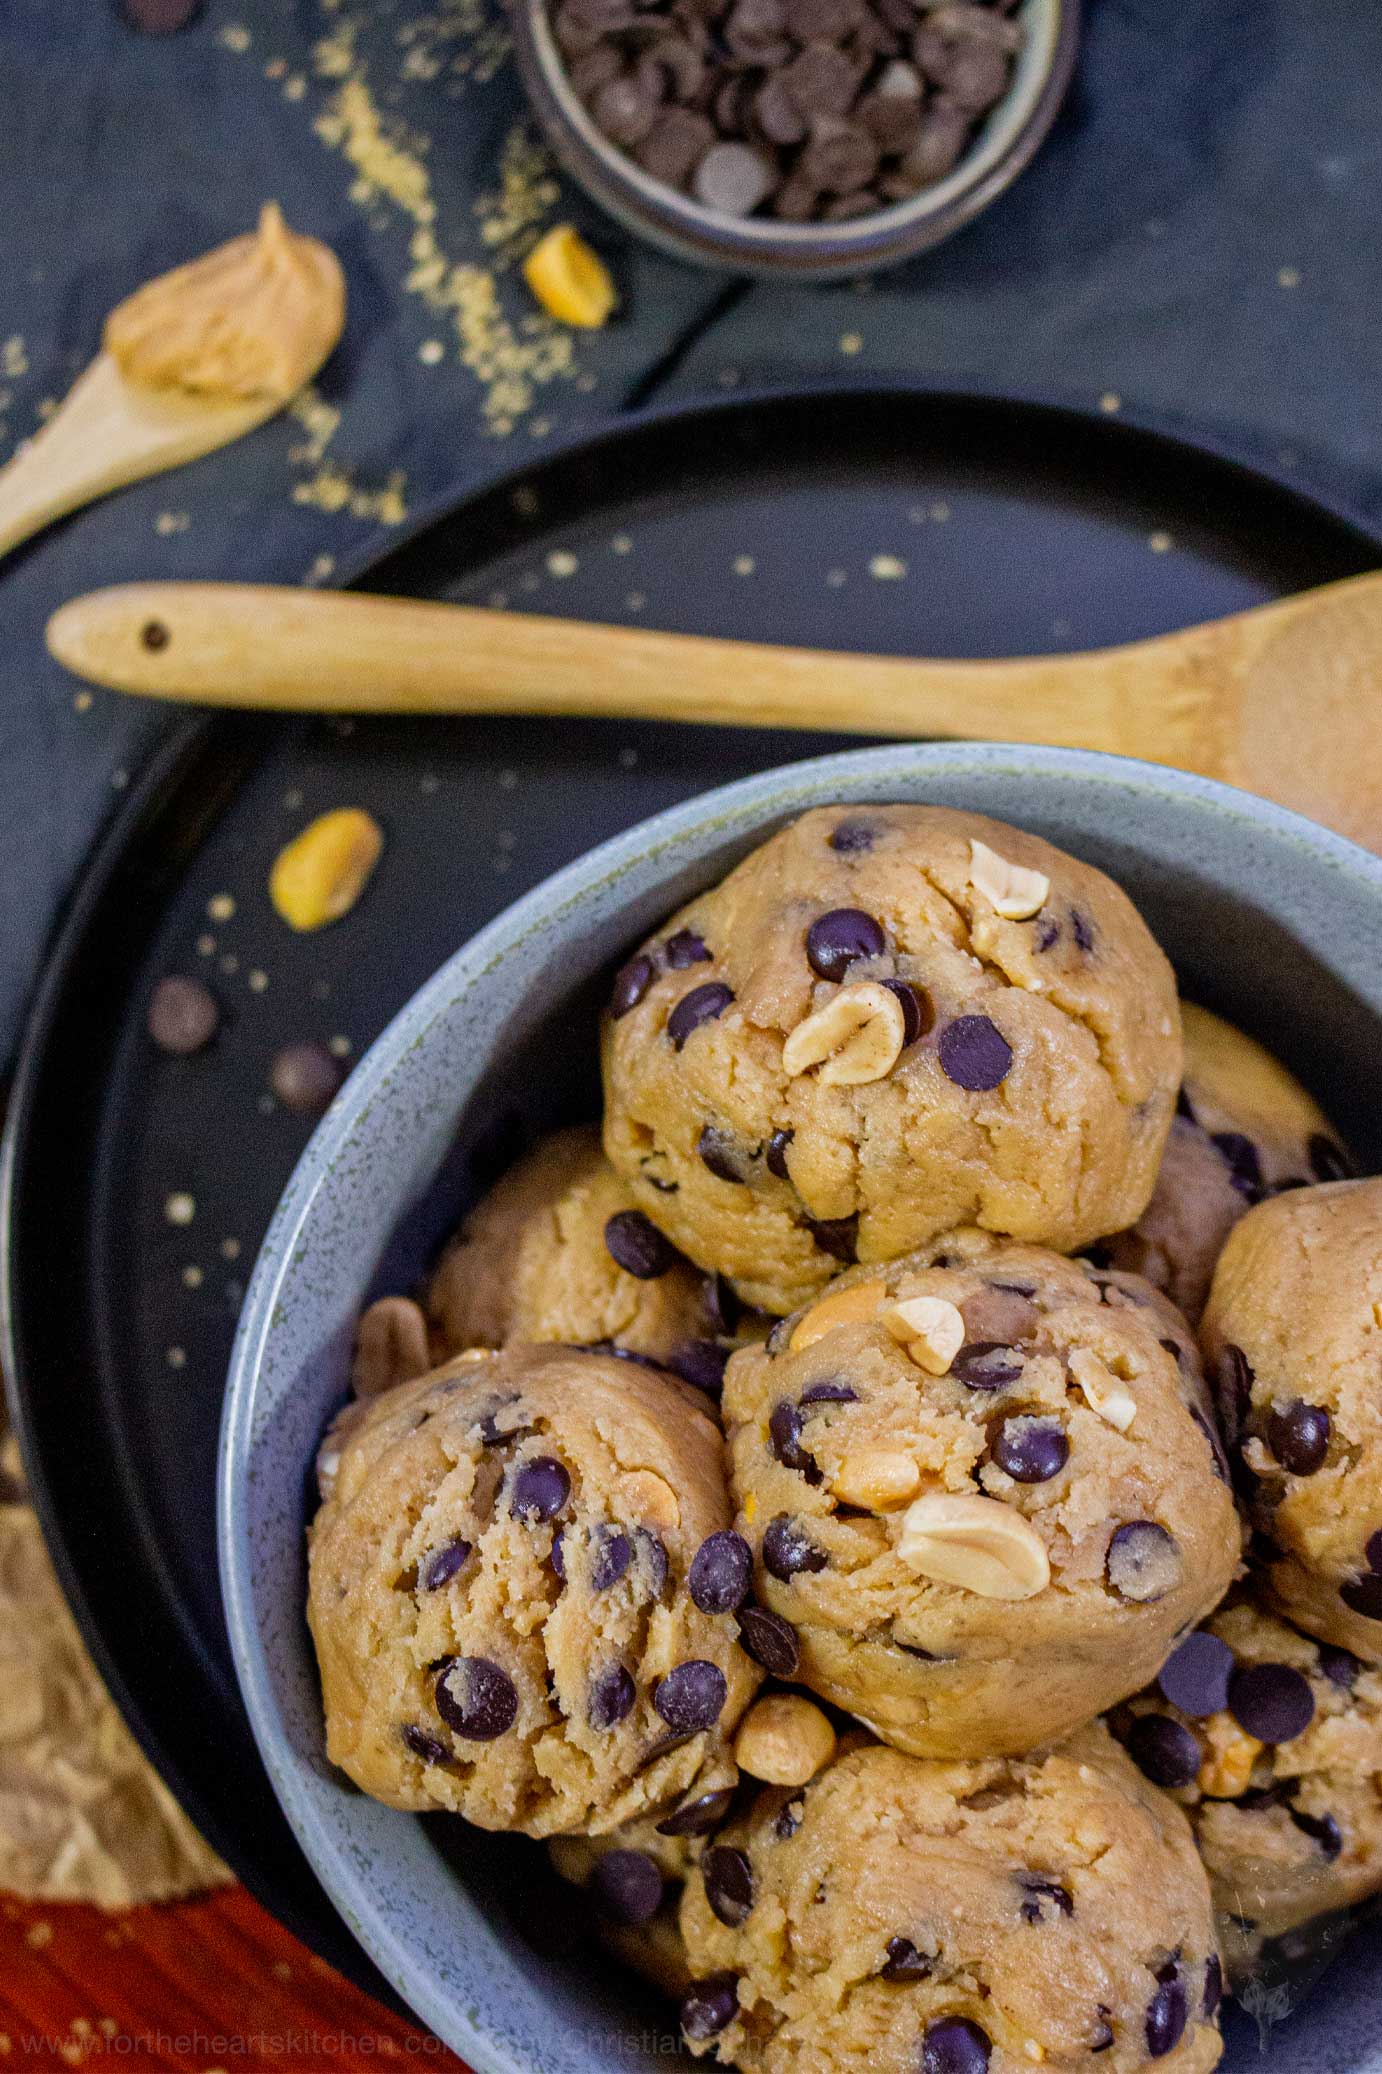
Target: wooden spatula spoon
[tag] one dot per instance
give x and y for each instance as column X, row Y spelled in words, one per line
column 1285, row 700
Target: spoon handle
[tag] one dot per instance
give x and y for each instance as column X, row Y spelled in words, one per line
column 324, row 651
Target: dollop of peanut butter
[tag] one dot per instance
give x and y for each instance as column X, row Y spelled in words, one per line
column 255, row 318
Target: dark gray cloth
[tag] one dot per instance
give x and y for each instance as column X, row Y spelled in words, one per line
column 1197, row 240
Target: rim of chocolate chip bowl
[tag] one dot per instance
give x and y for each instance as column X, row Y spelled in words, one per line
column 1004, row 142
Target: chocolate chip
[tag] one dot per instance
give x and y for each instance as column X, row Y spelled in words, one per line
column 686, row 947
column 1031, row 1450
column 1195, row 1675
column 1321, row 1829
column 589, row 73
column 722, row 1303
column 974, row 1053
column 720, row 1572
column 704, row 1004
column 1164, row 1749
column 653, row 1559
column 986, row 1364
column 540, row 1489
column 1244, row 1166
column 1043, row 1895
column 1213, row 1984
column 837, row 1236
column 722, row 1153
column 624, row 110
column 305, row 1078
column 904, row 1962
column 788, row 1551
column 918, row 1010
column 769, row 1640
column 702, row 1363
column 626, row 1885
column 476, row 1699
column 1340, row 1666
column 1271, row 1701
column 1216, row 1446
column 429, row 1748
column 838, row 156
column 668, row 152
column 611, row 1697
column 1298, row 1435
column 1373, row 1552
column 631, row 983
column 1166, row 2018
column 698, row 1817
column 777, row 114
column 1083, row 930
column 787, row 1821
column 1143, row 1562
column 556, row 1555
column 728, row 1884
column 1328, row 1161
column 732, row 179
column 784, row 1440
column 440, row 1565
column 709, row 2005
column 775, row 1157
column 634, row 1243
column 1101, row 2037
column 755, row 30
column 1047, row 931
column 823, row 82
column 1235, row 1381
column 691, row 1697
column 955, row 2045
column 183, row 1016
column 836, row 940
column 851, row 838
column 610, row 1558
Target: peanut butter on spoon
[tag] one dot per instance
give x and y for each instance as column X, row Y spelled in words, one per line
column 191, row 361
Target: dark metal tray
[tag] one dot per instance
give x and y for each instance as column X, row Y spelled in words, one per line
column 1020, row 528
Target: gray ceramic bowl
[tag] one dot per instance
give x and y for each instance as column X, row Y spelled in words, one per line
column 1267, row 918
column 1004, row 142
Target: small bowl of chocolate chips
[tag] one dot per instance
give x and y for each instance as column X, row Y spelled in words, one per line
column 808, row 138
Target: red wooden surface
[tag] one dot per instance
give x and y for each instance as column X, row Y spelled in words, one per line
column 204, row 1985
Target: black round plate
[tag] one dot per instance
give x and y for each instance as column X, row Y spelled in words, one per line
column 907, row 521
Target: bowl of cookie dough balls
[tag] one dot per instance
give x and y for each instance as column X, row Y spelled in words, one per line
column 796, row 138
column 815, row 1408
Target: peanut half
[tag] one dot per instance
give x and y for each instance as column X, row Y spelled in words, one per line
column 977, row 1543
column 853, row 1306
column 1010, row 889
column 784, row 1739
column 931, row 1328
column 856, row 1037
column 1103, row 1391
column 322, row 872
column 1228, row 1762
column 876, row 1478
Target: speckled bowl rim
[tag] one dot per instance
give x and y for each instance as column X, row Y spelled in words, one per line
column 731, row 814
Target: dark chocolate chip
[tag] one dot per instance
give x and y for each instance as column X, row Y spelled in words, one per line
column 1298, row 1435
column 627, row 1885
column 1166, row 2018
column 1083, row 930
column 918, row 1010
column 1042, row 1896
column 904, row 1962
column 722, row 1152
column 183, row 1015
column 728, row 1884
column 778, row 116
column 1373, row 1552
column 769, row 1640
column 787, row 1821
column 556, row 1555
column 429, row 1748
column 720, row 1573
column 851, row 838
column 540, row 1488
column 1047, row 934
column 1321, row 1829
column 1340, row 1666
column 1164, row 1749
column 691, row 1696
column 784, row 1440
column 704, row 1004
column 652, row 1556
column 986, row 1364
column 631, row 983
column 1143, row 1562
column 668, row 152
column 686, row 947
column 1101, row 2037
column 1213, row 1985
column 822, row 82
column 788, row 1551
column 634, row 1243
column 1244, row 1166
column 1328, row 1161
column 838, row 157
column 1216, row 1445
column 776, row 1155
column 476, row 1698
column 974, row 1053
column 955, row 2045
column 440, row 1565
column 1031, row 1450
column 836, row 940
column 625, row 110
column 305, row 1078
column 1195, row 1675
column 709, row 2006
column 723, row 1304
column 702, row 1363
column 698, row 1817
column 1271, row 1701
column 837, row 1236
column 1235, row 1387
column 829, row 1390
column 611, row 1697
column 611, row 1555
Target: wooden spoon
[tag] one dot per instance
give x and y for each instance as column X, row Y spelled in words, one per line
column 1285, row 700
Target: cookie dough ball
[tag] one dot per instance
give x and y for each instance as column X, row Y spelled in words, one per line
column 558, row 1251
column 515, row 1615
column 975, row 1917
column 983, row 1492
column 1293, row 1336
column 1272, row 1742
column 1244, row 1129
column 887, row 1022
